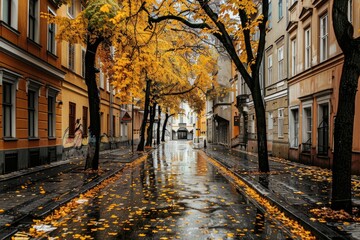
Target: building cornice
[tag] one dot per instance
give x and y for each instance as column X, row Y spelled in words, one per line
column 16, row 52
column 276, row 95
column 330, row 63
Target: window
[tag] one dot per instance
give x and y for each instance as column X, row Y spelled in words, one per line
column 307, row 120
column 270, row 15
column 280, row 63
column 323, row 38
column 294, row 128
column 71, row 8
column 269, row 70
column 307, row 48
column 72, row 119
column 280, row 122
column 101, row 74
column 8, row 80
column 270, row 121
column 244, row 87
column 113, row 126
column 293, row 57
column 51, row 95
column 51, row 116
column 280, row 9
column 323, row 129
column 33, row 20
column 51, row 36
column 108, row 125
column 83, row 52
column 31, row 113
column 71, row 57
column 9, row 12
column 107, row 85
column 33, row 102
column 350, row 10
column 85, row 122
column 8, row 109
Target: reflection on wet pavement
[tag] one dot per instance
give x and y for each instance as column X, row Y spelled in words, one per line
column 174, row 194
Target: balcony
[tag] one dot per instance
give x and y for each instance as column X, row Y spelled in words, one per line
column 241, row 99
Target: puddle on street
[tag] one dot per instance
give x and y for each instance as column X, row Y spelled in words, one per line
column 174, row 194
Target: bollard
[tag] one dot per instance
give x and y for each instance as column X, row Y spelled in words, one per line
column 204, row 143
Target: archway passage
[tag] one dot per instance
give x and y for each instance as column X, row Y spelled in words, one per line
column 182, row 133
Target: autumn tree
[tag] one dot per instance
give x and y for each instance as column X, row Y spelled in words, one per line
column 229, row 22
column 344, row 124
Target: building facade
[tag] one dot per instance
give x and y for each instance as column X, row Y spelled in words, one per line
column 316, row 64
column 276, row 72
column 30, row 86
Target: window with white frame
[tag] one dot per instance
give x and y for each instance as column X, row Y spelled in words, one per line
column 269, row 69
column 9, row 81
column 323, row 37
column 280, row 122
column 270, row 120
column 101, row 75
column 51, row 46
column 280, row 63
column 83, row 52
column 71, row 8
column 71, row 56
column 244, row 87
column 33, row 88
column 33, row 21
column 261, row 76
column 307, row 55
column 307, row 129
column 270, row 15
column 280, row 9
column 294, row 127
column 293, row 57
column 51, row 95
column 107, row 85
column 9, row 12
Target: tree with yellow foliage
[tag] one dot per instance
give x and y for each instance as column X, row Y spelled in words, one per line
column 230, row 22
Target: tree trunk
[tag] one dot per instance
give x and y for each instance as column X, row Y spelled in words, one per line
column 151, row 126
column 158, row 127
column 146, row 113
column 92, row 158
column 344, row 122
column 167, row 116
column 260, row 129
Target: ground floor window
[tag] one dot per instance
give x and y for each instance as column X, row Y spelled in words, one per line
column 294, row 127
column 323, row 129
column 307, row 129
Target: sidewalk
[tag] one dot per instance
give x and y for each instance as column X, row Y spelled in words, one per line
column 295, row 188
column 35, row 192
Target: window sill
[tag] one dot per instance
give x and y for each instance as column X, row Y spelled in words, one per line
column 52, row 138
column 33, row 138
column 29, row 40
column 53, row 55
column 2, row 23
column 9, row 139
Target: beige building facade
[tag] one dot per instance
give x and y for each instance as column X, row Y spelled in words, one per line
column 315, row 69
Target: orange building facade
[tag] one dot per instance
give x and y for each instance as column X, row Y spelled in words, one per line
column 30, row 86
